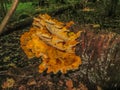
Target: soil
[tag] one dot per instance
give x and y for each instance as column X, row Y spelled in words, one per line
column 94, row 72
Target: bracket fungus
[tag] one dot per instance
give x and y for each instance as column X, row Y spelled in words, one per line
column 53, row 42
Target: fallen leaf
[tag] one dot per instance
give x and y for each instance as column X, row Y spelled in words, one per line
column 22, row 87
column 87, row 9
column 82, row 87
column 8, row 83
column 69, row 84
column 31, row 82
column 61, row 83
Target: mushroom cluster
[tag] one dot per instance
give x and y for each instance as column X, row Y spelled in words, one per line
column 53, row 42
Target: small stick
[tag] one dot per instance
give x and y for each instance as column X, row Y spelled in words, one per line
column 8, row 15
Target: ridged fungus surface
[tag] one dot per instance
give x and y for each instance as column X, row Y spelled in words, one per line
column 53, row 42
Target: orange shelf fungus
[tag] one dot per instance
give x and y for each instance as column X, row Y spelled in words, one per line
column 53, row 42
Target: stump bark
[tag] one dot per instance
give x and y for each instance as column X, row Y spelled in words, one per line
column 100, row 54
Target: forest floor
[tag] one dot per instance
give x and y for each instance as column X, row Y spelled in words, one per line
column 17, row 72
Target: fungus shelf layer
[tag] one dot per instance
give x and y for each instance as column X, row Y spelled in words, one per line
column 54, row 42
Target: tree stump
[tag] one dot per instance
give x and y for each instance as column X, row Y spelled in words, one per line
column 100, row 54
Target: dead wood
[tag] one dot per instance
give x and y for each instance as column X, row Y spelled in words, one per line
column 28, row 21
column 100, row 57
column 17, row 25
column 8, row 15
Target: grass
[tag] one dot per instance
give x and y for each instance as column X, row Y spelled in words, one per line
column 29, row 9
column 23, row 8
